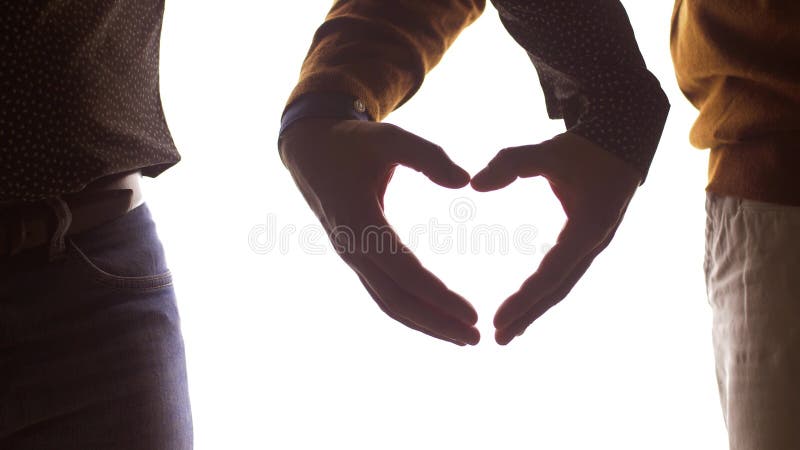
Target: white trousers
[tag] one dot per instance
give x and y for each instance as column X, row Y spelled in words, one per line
column 752, row 267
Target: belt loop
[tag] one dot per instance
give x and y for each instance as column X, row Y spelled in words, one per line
column 64, row 216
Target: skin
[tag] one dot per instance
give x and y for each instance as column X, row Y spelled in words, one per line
column 342, row 168
column 594, row 188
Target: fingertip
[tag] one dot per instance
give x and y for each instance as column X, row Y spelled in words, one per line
column 475, row 184
column 500, row 321
column 488, row 180
column 475, row 338
column 501, row 337
column 453, row 178
column 473, row 317
column 460, row 177
column 479, row 184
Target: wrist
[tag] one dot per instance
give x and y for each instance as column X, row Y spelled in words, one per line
column 304, row 134
column 323, row 105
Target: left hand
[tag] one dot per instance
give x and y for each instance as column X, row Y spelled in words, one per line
column 594, row 188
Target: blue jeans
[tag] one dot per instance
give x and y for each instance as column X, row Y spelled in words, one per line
column 91, row 353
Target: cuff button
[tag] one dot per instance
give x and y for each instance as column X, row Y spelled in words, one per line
column 359, row 105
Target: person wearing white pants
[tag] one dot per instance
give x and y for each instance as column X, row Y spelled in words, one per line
column 753, row 275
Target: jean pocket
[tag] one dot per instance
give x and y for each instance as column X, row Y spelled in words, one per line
column 125, row 252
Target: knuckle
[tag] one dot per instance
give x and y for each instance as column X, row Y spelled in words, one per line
column 437, row 150
column 507, row 156
column 392, row 129
column 504, row 154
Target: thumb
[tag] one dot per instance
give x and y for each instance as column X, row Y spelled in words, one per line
column 426, row 157
column 508, row 164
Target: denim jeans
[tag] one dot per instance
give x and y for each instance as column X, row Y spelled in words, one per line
column 753, row 275
column 91, row 353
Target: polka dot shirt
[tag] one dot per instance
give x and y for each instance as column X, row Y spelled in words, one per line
column 592, row 73
column 79, row 94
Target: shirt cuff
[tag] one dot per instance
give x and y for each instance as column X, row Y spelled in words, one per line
column 324, row 104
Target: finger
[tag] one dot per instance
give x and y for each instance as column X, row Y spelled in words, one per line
column 383, row 247
column 403, row 304
column 505, row 335
column 513, row 162
column 547, row 300
column 370, row 237
column 402, row 320
column 412, row 151
column 382, row 186
column 575, row 242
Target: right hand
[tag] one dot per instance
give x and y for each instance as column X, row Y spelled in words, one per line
column 342, row 168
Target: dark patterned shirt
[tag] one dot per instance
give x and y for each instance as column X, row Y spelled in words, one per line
column 370, row 56
column 79, row 94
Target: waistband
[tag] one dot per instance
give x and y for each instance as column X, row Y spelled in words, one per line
column 28, row 225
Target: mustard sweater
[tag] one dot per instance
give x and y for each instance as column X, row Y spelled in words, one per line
column 738, row 62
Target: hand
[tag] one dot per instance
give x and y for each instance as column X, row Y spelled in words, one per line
column 594, row 188
column 342, row 168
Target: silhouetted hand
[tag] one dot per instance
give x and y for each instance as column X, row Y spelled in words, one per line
column 343, row 167
column 594, row 188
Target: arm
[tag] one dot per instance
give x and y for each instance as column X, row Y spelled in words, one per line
column 366, row 59
column 595, row 79
column 376, row 52
column 592, row 73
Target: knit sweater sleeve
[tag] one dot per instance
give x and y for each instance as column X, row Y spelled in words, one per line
column 378, row 52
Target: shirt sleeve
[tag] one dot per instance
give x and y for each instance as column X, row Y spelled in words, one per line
column 370, row 56
column 592, row 73
column 377, row 53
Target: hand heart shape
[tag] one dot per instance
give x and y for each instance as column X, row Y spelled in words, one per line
column 342, row 168
column 594, row 188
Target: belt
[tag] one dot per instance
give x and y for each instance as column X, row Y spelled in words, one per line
column 25, row 226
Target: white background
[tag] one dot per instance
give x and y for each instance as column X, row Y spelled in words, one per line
column 287, row 351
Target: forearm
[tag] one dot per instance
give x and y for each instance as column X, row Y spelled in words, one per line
column 379, row 51
column 592, row 73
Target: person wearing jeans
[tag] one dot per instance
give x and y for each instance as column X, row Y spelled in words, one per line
column 91, row 354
